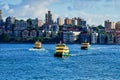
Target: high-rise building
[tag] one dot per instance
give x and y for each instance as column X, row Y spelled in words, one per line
column 94, row 37
column 35, row 22
column 46, row 27
column 9, row 23
column 110, row 37
column 55, row 27
column 117, row 28
column 54, row 30
column 109, row 25
column 1, row 20
column 70, row 36
column 40, row 23
column 59, row 21
column 0, row 14
column 19, row 27
column 101, row 36
column 1, row 31
column 81, row 22
column 67, row 21
column 74, row 22
column 1, row 23
column 48, row 18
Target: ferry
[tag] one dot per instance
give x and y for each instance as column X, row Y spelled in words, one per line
column 37, row 45
column 61, row 50
column 85, row 45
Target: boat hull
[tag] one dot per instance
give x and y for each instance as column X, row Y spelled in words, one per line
column 61, row 54
column 37, row 47
column 85, row 45
column 85, row 48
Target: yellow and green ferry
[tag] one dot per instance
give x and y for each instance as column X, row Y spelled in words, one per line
column 37, row 45
column 61, row 50
column 85, row 45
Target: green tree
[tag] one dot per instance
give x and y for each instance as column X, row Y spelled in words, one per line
column 17, row 38
column 22, row 20
column 5, row 38
column 40, row 39
column 36, row 28
column 29, row 21
column 100, row 27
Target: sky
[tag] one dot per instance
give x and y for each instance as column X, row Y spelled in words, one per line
column 95, row 12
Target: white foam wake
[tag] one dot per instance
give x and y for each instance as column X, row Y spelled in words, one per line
column 32, row 49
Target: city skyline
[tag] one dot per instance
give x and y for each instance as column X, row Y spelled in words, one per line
column 93, row 11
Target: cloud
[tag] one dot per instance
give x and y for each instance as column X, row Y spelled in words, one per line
column 92, row 18
column 33, row 9
column 93, row 11
column 6, row 7
column 28, row 8
column 89, row 4
column 98, row 18
column 69, row 8
column 11, row 11
column 10, row 2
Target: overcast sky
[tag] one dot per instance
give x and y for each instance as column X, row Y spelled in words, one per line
column 93, row 11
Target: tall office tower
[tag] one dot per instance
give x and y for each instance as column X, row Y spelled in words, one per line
column 0, row 14
column 74, row 22
column 48, row 18
column 82, row 22
column 59, row 21
column 117, row 28
column 109, row 25
column 9, row 23
column 1, row 21
column 67, row 21
column 40, row 23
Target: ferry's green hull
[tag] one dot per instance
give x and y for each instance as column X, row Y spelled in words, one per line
column 61, row 54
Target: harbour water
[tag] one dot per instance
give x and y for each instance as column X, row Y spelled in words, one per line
column 21, row 62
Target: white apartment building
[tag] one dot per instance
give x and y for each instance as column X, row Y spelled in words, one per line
column 94, row 37
column 70, row 36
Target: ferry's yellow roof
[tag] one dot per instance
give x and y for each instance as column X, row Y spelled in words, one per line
column 85, row 43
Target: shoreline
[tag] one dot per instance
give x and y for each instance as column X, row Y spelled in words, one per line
column 49, row 43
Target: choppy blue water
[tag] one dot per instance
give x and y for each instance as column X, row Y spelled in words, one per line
column 20, row 62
